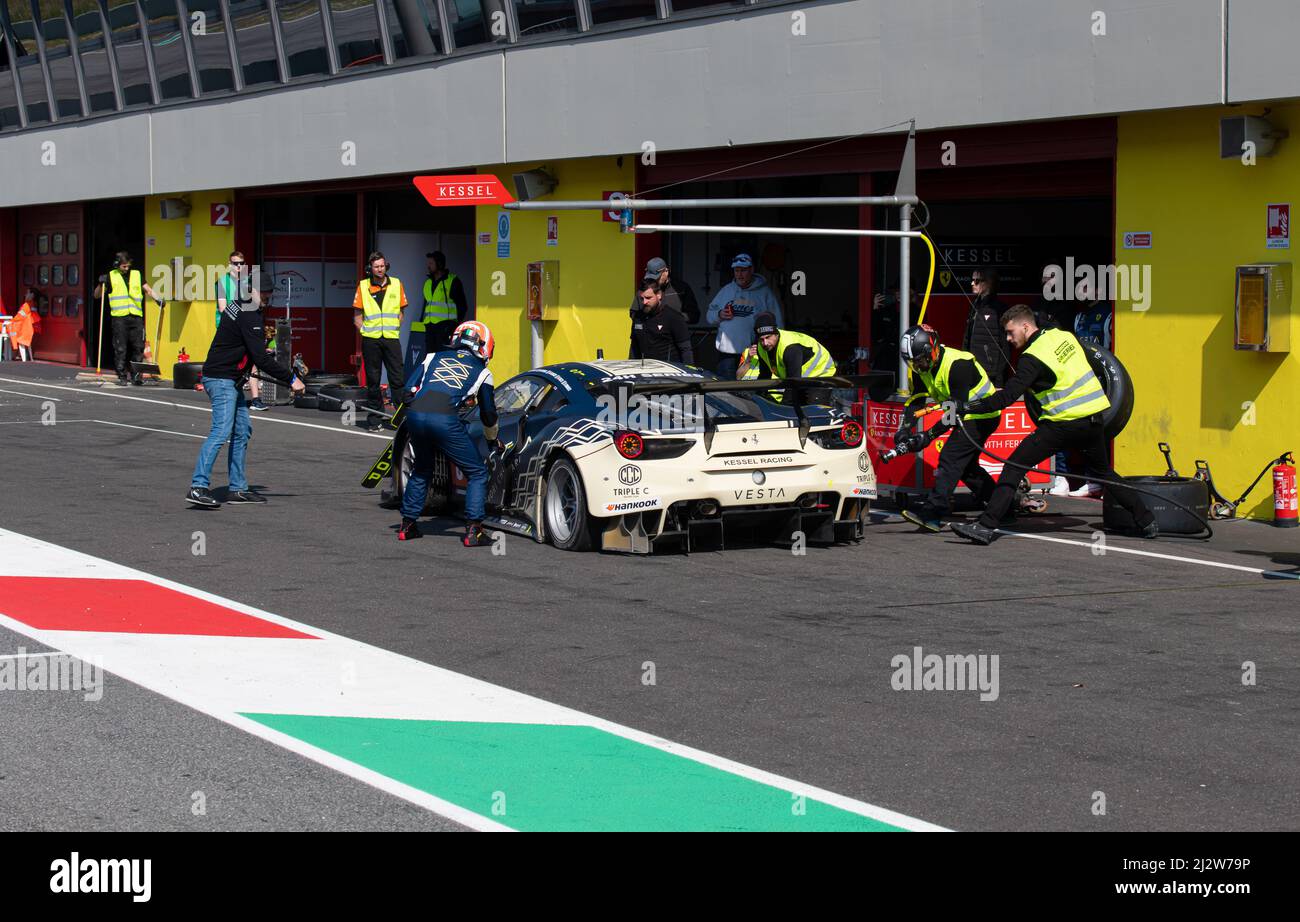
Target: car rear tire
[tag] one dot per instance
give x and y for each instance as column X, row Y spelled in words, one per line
column 439, row 497
column 568, row 524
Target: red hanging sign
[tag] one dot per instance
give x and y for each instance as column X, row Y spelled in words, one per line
column 475, row 189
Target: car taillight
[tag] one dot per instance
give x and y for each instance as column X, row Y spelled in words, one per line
column 851, row 434
column 629, row 444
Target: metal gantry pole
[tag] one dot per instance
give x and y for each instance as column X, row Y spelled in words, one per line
column 639, row 204
column 904, row 290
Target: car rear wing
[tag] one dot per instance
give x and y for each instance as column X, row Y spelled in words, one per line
column 796, row 390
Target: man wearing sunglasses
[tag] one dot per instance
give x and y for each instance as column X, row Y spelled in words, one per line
column 984, row 329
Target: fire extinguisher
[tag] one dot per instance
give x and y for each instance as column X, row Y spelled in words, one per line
column 183, row 356
column 1284, row 492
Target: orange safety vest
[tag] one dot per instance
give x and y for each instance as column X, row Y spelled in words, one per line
column 25, row 324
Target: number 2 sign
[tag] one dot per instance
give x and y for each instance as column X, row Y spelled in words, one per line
column 221, row 212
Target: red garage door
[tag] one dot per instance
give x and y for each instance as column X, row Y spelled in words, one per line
column 51, row 260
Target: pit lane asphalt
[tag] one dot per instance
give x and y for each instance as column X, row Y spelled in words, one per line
column 1118, row 673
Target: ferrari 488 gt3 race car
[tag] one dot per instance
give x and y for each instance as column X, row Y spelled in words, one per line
column 632, row 455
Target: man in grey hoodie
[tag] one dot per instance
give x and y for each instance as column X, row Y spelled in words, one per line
column 733, row 309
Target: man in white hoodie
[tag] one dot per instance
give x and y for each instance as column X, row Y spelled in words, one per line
column 733, row 311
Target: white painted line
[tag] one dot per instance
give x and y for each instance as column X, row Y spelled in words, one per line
column 1275, row 574
column 33, row 396
column 188, row 435
column 222, row 676
column 192, row 406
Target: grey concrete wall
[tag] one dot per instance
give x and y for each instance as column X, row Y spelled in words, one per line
column 1263, row 49
column 738, row 79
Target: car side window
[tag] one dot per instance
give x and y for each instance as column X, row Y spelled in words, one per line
column 554, row 401
column 514, row 395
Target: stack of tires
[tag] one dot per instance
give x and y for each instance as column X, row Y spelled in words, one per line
column 339, row 387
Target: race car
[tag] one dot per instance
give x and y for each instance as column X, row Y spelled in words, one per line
column 633, row 455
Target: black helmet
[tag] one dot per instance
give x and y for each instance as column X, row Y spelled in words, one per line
column 920, row 347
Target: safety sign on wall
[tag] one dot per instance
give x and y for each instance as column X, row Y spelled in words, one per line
column 503, row 235
column 1137, row 240
column 1279, row 227
column 552, row 231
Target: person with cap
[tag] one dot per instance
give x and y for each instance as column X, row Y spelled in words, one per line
column 676, row 293
column 947, row 376
column 445, row 306
column 781, row 353
column 733, row 310
column 126, row 291
column 658, row 333
column 377, row 313
column 1054, row 369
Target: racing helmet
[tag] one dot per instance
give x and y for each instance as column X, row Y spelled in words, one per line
column 920, row 347
column 475, row 337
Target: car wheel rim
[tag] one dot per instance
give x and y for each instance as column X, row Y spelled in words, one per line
column 562, row 505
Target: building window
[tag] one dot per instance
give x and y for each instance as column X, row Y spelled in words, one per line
column 477, row 22
column 58, row 54
column 72, row 243
column 256, row 42
column 74, row 307
column 212, row 48
column 43, row 244
column 57, row 277
column 130, row 53
column 94, row 57
column 304, row 37
column 605, row 11
column 43, row 275
column 413, row 25
column 8, row 94
column 74, row 274
column 27, row 63
column 57, row 244
column 356, row 33
column 682, row 6
column 545, row 17
column 168, row 50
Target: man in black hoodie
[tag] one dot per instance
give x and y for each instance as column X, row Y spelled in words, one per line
column 238, row 347
column 984, row 335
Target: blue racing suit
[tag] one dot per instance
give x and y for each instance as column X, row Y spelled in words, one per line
column 436, row 389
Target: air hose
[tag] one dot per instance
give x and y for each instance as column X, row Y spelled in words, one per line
column 1209, row 532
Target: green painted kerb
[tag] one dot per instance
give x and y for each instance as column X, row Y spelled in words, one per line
column 542, row 777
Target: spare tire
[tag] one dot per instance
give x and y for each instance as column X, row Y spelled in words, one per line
column 320, row 378
column 306, row 402
column 1187, row 491
column 340, row 394
column 1116, row 383
column 185, row 375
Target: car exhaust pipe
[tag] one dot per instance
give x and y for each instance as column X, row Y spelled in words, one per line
column 706, row 508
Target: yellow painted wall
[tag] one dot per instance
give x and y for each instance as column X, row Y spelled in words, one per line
column 188, row 324
column 596, row 269
column 1207, row 216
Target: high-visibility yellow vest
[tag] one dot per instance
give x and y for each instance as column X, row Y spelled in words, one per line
column 936, row 381
column 438, row 305
column 381, row 321
column 1077, row 392
column 820, row 365
column 125, row 294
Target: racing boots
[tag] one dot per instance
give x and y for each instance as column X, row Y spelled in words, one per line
column 929, row 523
column 408, row 530
column 974, row 531
column 475, row 536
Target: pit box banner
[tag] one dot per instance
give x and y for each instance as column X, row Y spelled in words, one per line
column 883, row 420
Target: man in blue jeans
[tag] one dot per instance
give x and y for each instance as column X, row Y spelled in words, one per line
column 435, row 391
column 238, row 347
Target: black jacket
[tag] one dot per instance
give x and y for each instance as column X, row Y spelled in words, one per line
column 238, row 346
column 679, row 297
column 986, row 338
column 1031, row 376
column 661, row 335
